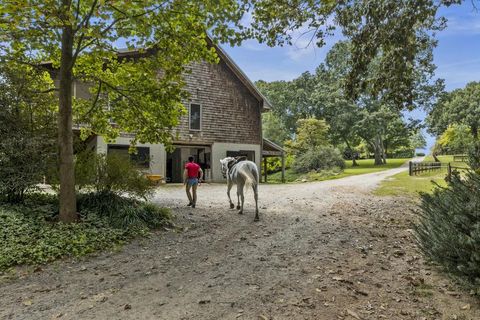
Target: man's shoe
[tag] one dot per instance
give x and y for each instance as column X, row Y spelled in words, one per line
column 193, row 205
column 190, row 204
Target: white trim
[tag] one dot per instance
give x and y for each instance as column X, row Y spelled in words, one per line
column 190, row 114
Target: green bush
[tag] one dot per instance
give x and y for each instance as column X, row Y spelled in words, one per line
column 30, row 235
column 33, row 240
column 317, row 159
column 23, row 164
column 274, row 164
column 110, row 174
column 474, row 156
column 448, row 231
column 123, row 212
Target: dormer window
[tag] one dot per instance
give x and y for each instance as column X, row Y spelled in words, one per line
column 195, row 117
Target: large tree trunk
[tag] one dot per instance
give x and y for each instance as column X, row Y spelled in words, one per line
column 378, row 151
column 68, row 205
column 354, row 161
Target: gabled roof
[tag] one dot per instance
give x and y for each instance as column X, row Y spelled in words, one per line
column 265, row 104
column 270, row 148
column 241, row 75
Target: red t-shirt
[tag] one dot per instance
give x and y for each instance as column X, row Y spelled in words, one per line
column 192, row 169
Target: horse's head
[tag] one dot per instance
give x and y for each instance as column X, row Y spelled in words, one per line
column 226, row 165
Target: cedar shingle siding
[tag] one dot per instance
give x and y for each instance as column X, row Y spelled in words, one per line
column 230, row 112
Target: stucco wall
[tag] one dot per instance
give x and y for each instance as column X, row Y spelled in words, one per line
column 157, row 153
column 219, row 151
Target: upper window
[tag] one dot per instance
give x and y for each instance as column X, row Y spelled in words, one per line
column 195, row 117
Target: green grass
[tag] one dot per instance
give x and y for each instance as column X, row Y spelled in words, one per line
column 446, row 159
column 402, row 184
column 365, row 166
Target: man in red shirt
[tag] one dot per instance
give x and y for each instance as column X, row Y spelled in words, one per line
column 191, row 179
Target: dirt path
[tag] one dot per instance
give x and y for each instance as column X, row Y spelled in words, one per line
column 327, row 250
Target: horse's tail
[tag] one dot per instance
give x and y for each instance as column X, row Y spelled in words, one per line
column 250, row 173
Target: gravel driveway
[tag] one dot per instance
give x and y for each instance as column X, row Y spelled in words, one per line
column 324, row 250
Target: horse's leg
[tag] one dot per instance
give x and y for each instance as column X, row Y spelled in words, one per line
column 238, row 200
column 229, row 187
column 240, row 196
column 255, row 194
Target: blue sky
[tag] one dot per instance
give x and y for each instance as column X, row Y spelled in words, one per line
column 457, row 55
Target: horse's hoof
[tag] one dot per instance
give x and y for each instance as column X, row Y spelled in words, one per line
column 256, row 219
column 240, row 212
column 232, row 206
column 238, row 207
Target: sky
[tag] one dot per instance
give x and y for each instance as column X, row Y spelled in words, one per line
column 457, row 55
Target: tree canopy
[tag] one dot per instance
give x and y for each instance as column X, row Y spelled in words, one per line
column 459, row 107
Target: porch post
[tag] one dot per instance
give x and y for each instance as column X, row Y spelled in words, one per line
column 283, row 167
column 265, row 169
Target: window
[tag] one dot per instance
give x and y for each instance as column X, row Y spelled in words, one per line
column 141, row 159
column 195, row 116
column 242, row 153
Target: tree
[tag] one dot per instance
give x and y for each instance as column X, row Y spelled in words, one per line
column 311, row 133
column 460, row 107
column 79, row 38
column 456, row 139
column 393, row 34
column 273, row 129
column 418, row 141
column 27, row 130
column 291, row 100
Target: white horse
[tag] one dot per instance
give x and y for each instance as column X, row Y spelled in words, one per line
column 242, row 173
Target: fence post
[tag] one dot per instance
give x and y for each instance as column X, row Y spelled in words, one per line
column 410, row 168
column 449, row 169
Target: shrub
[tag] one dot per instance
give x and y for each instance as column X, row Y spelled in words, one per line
column 23, row 163
column 33, row 240
column 123, row 212
column 274, row 164
column 420, row 154
column 474, row 156
column 110, row 174
column 449, row 228
column 317, row 159
column 30, row 236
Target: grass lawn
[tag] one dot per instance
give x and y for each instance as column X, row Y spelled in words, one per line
column 402, row 184
column 365, row 166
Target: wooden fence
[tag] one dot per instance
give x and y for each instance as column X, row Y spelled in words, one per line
column 415, row 168
column 460, row 158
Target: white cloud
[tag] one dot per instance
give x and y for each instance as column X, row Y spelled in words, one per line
column 464, row 25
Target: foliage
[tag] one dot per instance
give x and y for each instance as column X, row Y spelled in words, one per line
column 456, row 139
column 140, row 93
column 274, row 129
column 474, row 156
column 319, row 158
column 395, row 35
column 30, row 234
column 110, row 174
column 418, row 141
column 26, row 130
column 291, row 100
column 311, row 133
column 122, row 212
column 363, row 166
column 274, row 164
column 458, row 107
column 449, row 228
